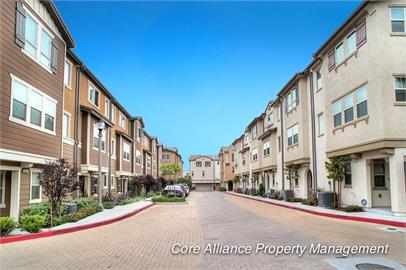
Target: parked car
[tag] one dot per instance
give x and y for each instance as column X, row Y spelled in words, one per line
column 186, row 188
column 174, row 191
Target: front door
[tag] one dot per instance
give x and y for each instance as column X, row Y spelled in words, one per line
column 380, row 184
column 230, row 186
column 5, row 193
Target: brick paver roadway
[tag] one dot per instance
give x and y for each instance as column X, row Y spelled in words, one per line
column 144, row 241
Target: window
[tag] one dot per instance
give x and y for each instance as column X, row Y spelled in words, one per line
column 122, row 120
column 293, row 135
column 320, row 124
column 270, row 119
column 267, row 148
column 96, row 138
column 148, row 162
column 93, row 95
column 292, row 99
column 113, row 148
column 254, row 154
column 400, row 89
column 347, row 174
column 107, row 108
column 2, row 188
column 397, row 17
column 198, row 164
column 153, row 147
column 351, row 43
column 66, row 118
column 126, row 151
column 337, row 113
column 348, row 108
column 207, row 164
column 254, row 132
column 31, row 107
column 38, row 41
column 278, row 114
column 319, row 80
column 68, row 74
column 139, row 133
column 137, row 157
column 113, row 114
column 112, row 183
column 273, row 179
column 105, row 182
column 379, row 173
column 362, row 106
column 35, row 190
column 340, row 53
column 202, row 173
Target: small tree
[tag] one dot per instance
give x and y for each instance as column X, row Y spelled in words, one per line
column 147, row 181
column 169, row 170
column 134, row 186
column 161, row 182
column 291, row 173
column 335, row 167
column 186, row 180
column 57, row 180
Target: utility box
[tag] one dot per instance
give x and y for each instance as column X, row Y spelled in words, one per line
column 326, row 199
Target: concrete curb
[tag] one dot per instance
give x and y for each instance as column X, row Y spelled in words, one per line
column 24, row 237
column 330, row 215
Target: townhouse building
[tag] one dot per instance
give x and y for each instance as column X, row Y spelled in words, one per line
column 171, row 155
column 52, row 106
column 205, row 171
column 226, row 157
column 348, row 102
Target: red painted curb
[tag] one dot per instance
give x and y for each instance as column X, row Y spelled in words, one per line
column 18, row 238
column 330, row 215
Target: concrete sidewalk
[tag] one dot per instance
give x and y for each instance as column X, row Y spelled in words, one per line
column 367, row 216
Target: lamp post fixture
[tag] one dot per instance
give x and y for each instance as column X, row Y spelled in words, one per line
column 101, row 126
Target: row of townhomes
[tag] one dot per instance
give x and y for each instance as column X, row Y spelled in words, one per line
column 350, row 101
column 171, row 155
column 51, row 104
column 205, row 171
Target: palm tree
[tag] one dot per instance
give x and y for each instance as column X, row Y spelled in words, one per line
column 335, row 167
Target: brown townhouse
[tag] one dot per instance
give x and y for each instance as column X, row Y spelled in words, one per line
column 226, row 156
column 33, row 42
column 51, row 106
column 171, row 155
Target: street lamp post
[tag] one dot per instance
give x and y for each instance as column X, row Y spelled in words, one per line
column 101, row 126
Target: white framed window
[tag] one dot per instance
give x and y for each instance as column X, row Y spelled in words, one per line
column 113, row 113
column 397, row 17
column 270, row 119
column 96, row 139
column 293, row 135
column 126, row 151
column 2, row 189
column 361, row 100
column 254, row 132
column 349, row 108
column 198, row 164
column 31, row 107
column 337, row 113
column 138, row 157
column 207, row 164
column 319, row 80
column 105, row 182
column 68, row 74
column 254, row 154
column 351, row 43
column 38, row 41
column 122, row 120
column 113, row 148
column 35, row 188
column 267, row 148
column 400, row 88
column 138, row 133
column 148, row 162
column 292, row 99
column 320, row 124
column 94, row 95
column 340, row 55
column 66, row 124
column 107, row 108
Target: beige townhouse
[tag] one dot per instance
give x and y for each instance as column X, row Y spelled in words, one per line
column 226, row 156
column 205, row 172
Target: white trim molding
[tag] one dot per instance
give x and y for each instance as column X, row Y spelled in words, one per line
column 12, row 155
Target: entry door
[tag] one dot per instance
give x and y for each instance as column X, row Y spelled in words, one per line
column 380, row 184
column 5, row 192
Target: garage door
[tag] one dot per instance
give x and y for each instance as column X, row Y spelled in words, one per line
column 204, row 187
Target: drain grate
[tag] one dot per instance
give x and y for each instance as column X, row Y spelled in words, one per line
column 372, row 266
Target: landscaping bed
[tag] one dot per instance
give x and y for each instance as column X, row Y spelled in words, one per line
column 166, row 199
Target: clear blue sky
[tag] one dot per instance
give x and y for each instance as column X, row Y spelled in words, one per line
column 199, row 72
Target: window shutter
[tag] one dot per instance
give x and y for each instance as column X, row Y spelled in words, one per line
column 297, row 94
column 54, row 57
column 331, row 60
column 20, row 25
column 361, row 35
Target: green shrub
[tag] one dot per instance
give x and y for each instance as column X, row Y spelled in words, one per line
column 150, row 194
column 32, row 223
column 84, row 202
column 81, row 214
column 296, row 200
column 168, row 199
column 353, row 208
column 309, row 202
column 128, row 201
column 6, row 225
column 108, row 205
column 261, row 190
column 222, row 189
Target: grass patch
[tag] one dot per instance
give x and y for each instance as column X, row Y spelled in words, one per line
column 168, row 199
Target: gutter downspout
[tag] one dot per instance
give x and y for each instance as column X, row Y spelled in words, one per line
column 312, row 116
column 79, row 69
column 282, row 147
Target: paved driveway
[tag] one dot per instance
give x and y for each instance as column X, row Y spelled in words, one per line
column 144, row 241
